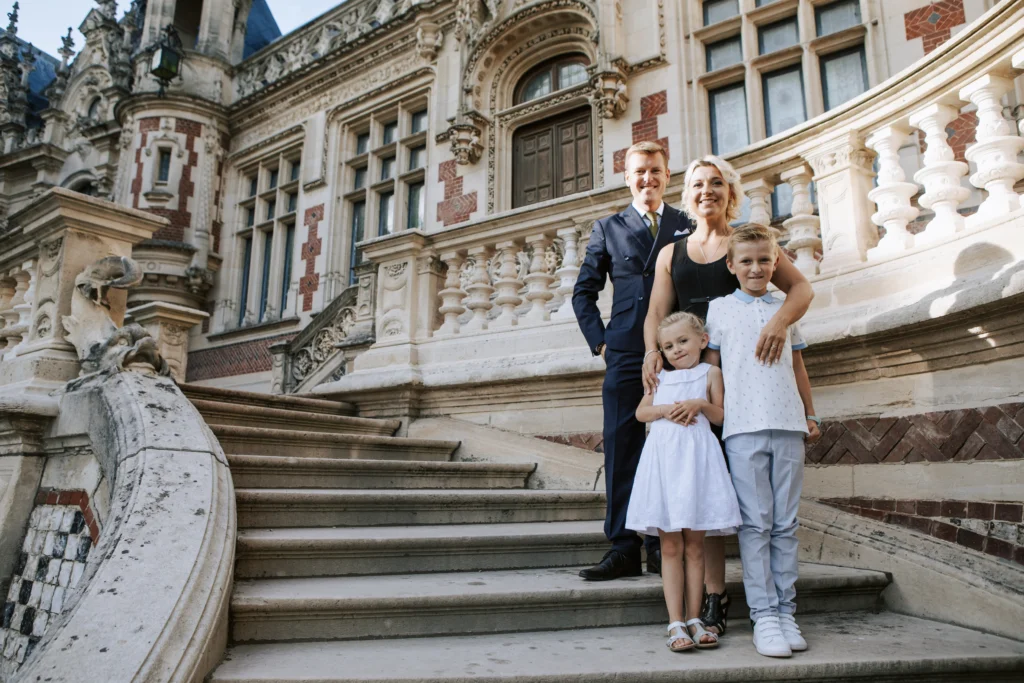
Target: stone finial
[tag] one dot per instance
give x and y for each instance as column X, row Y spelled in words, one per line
column 108, row 8
column 12, row 26
column 66, row 50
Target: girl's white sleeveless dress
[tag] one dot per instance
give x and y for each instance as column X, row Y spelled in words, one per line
column 682, row 481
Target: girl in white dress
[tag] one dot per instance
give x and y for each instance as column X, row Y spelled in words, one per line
column 682, row 488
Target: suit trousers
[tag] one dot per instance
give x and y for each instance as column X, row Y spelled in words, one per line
column 767, row 470
column 624, row 437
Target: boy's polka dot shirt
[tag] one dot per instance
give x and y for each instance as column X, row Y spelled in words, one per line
column 756, row 396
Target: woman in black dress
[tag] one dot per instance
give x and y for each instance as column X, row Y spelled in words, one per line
column 689, row 274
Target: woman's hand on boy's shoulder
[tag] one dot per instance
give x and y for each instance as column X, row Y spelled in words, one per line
column 813, row 433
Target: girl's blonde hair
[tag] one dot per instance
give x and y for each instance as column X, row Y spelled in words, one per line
column 694, row 323
column 729, row 175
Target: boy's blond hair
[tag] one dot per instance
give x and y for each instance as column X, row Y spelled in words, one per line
column 729, row 175
column 695, row 323
column 752, row 233
column 649, row 148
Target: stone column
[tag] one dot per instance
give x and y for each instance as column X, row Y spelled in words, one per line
column 538, row 280
column 479, row 289
column 802, row 226
column 568, row 273
column 507, row 284
column 843, row 175
column 71, row 231
column 759, row 192
column 452, row 294
column 941, row 173
column 892, row 194
column 995, row 152
column 170, row 325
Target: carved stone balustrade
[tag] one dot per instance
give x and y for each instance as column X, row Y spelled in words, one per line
column 567, row 273
column 892, row 194
column 941, row 174
column 802, row 226
column 759, row 192
column 996, row 150
column 452, row 294
column 538, row 280
column 479, row 289
column 507, row 284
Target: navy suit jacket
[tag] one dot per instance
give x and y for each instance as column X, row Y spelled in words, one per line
column 621, row 248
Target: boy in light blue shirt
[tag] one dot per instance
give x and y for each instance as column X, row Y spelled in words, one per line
column 768, row 417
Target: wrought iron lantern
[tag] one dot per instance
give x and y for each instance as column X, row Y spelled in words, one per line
column 166, row 62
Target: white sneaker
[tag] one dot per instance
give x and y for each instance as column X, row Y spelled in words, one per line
column 791, row 632
column 768, row 638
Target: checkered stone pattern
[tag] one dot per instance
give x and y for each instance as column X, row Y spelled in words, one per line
column 991, row 527
column 933, row 23
column 646, row 129
column 61, row 532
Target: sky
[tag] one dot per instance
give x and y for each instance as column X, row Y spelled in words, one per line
column 43, row 22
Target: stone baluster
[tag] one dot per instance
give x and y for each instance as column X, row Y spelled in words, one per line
column 941, row 173
column 452, row 294
column 18, row 316
column 479, row 289
column 759, row 192
column 567, row 273
column 802, row 226
column 842, row 176
column 538, row 280
column 6, row 295
column 892, row 194
column 507, row 284
column 995, row 152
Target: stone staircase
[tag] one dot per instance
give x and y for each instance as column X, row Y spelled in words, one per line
column 363, row 556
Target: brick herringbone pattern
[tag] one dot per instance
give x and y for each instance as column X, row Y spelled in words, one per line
column 993, row 433
column 232, row 359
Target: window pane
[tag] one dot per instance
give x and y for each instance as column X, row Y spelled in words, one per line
column 268, row 243
column 243, row 298
column 295, row 171
column 271, row 209
column 717, row 10
column 728, row 119
column 837, row 16
column 783, row 100
column 386, row 214
column 761, row 3
column 164, row 173
column 289, row 240
column 777, row 36
column 571, row 74
column 273, row 179
column 362, row 143
column 419, row 121
column 359, row 179
column 390, row 132
column 414, row 210
column 539, row 86
column 250, row 216
column 782, row 200
column 724, row 53
column 417, row 157
column 843, row 76
column 252, row 186
column 387, row 168
column 358, row 228
column 293, row 199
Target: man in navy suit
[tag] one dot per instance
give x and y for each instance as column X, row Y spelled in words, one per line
column 625, row 247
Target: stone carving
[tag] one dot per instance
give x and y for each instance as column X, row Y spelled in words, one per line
column 465, row 140
column 314, row 354
column 609, row 97
column 429, row 38
column 102, row 346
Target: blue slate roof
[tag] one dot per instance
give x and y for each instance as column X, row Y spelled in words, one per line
column 39, row 80
column 261, row 29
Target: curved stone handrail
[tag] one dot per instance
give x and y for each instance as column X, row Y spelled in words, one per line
column 153, row 603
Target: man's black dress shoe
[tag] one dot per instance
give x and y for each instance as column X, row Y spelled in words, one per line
column 654, row 562
column 613, row 565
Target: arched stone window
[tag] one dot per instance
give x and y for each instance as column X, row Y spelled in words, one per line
column 552, row 157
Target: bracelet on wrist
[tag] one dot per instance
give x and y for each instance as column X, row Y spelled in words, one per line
column 649, row 353
column 814, row 419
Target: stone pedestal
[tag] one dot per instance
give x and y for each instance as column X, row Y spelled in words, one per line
column 169, row 324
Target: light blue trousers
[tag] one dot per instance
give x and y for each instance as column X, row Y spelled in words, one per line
column 767, row 470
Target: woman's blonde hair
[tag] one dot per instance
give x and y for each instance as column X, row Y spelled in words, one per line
column 689, row 319
column 729, row 175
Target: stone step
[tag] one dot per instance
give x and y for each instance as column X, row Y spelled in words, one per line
column 852, row 646
column 489, row 602
column 266, row 553
column 280, row 401
column 267, row 471
column 279, row 508
column 241, row 415
column 286, row 443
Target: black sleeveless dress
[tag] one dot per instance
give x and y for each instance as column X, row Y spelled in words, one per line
column 696, row 284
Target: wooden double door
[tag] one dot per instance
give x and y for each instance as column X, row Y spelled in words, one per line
column 552, row 158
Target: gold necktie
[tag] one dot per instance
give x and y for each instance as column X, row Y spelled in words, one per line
column 653, row 217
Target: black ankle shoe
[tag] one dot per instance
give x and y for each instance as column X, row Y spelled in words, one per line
column 613, row 565
column 654, row 562
column 715, row 610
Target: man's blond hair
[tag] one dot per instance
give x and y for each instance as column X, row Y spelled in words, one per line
column 752, row 233
column 648, row 148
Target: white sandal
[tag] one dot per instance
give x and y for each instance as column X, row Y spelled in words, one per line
column 698, row 637
column 677, row 631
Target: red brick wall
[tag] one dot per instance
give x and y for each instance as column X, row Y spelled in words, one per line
column 146, row 126
column 456, row 206
column 646, row 129
column 232, row 359
column 990, row 527
column 310, row 280
column 180, row 218
column 933, row 22
column 47, row 496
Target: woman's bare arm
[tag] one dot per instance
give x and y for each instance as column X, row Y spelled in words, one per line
column 663, row 299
